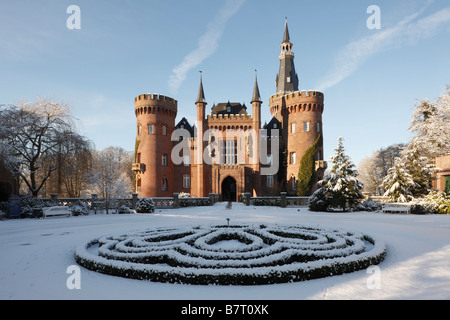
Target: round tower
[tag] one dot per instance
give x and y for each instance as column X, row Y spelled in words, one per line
column 300, row 114
column 153, row 167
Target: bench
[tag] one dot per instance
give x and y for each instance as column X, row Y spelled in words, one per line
column 396, row 208
column 56, row 211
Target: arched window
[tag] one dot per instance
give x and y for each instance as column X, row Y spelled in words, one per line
column 164, row 160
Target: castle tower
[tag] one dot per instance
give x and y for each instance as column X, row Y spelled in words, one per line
column 155, row 115
column 287, row 79
column 300, row 113
column 256, row 113
column 198, row 169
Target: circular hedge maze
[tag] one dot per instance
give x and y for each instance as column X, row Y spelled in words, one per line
column 231, row 255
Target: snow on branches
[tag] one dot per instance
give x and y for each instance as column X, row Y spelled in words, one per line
column 340, row 187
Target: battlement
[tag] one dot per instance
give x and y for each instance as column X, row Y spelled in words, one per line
column 312, row 94
column 155, row 97
column 234, row 117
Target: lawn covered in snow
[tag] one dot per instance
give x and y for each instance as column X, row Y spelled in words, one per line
column 36, row 253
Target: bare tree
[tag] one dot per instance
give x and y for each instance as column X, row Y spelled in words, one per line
column 109, row 177
column 39, row 137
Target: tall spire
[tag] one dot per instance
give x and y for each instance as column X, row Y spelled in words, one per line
column 287, row 79
column 286, row 32
column 256, row 96
column 201, row 93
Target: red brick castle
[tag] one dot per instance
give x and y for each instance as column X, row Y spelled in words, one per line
column 228, row 152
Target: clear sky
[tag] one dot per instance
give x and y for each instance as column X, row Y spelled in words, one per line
column 371, row 78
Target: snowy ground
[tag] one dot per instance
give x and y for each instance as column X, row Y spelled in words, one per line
column 35, row 255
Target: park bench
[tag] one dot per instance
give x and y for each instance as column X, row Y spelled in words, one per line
column 396, row 208
column 56, row 211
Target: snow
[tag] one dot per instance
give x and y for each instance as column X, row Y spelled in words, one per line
column 36, row 254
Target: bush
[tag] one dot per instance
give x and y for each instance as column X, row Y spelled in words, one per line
column 434, row 202
column 80, row 209
column 145, row 205
column 29, row 205
column 371, row 205
column 124, row 210
column 319, row 201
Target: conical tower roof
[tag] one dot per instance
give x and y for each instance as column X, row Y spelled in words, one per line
column 201, row 92
column 256, row 95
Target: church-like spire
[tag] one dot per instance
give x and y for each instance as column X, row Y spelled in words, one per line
column 201, row 93
column 286, row 33
column 256, row 96
column 287, row 79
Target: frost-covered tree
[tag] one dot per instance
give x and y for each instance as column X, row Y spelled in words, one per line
column 431, row 123
column 421, row 169
column 340, row 187
column 398, row 183
column 36, row 138
column 374, row 168
column 109, row 177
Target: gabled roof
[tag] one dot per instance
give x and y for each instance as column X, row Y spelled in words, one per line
column 184, row 124
column 229, row 108
column 273, row 124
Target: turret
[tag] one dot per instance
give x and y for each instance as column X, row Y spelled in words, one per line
column 300, row 114
column 155, row 115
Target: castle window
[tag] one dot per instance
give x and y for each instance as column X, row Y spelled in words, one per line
column 318, row 126
column 186, row 181
column 228, row 152
column 306, row 126
column 164, row 186
column 269, row 181
column 292, row 127
column 164, row 131
column 139, row 130
column 164, row 160
column 151, row 129
column 292, row 157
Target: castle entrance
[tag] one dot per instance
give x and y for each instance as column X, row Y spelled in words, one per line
column 229, row 189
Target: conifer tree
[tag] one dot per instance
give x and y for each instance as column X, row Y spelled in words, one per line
column 398, row 183
column 340, row 187
column 420, row 168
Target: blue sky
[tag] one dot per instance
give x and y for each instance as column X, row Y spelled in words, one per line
column 371, row 78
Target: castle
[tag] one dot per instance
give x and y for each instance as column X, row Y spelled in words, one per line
column 173, row 158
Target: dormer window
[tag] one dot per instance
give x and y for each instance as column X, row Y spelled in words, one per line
column 228, row 108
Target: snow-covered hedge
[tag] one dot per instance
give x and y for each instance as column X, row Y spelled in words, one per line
column 145, row 205
column 231, row 255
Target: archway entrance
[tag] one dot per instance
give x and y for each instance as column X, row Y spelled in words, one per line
column 229, row 189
